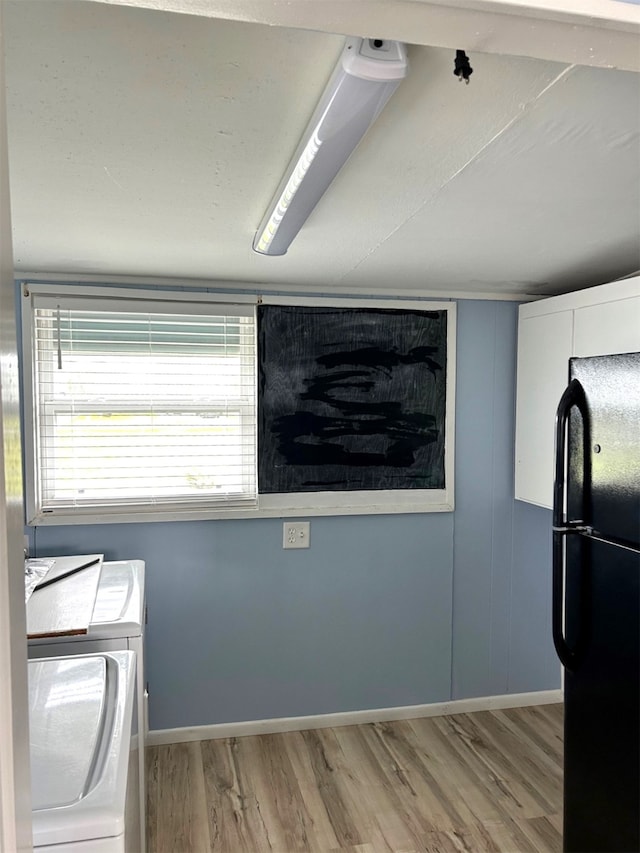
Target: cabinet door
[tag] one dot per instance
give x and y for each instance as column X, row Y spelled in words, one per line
column 606, row 329
column 544, row 349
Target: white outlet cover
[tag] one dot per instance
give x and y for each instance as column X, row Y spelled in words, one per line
column 295, row 534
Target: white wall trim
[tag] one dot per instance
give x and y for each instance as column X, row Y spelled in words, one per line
column 352, row 718
column 257, row 288
column 87, row 291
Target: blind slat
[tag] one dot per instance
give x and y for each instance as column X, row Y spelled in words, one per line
column 135, row 407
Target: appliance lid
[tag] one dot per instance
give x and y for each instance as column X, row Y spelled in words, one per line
column 67, row 715
column 80, row 711
column 119, row 607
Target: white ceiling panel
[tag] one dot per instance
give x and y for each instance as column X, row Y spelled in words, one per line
column 553, row 203
column 146, row 143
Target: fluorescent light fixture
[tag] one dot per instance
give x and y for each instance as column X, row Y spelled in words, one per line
column 366, row 76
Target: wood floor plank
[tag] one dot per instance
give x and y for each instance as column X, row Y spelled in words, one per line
column 292, row 814
column 435, row 793
column 557, row 819
column 507, row 837
column 515, row 770
column 181, row 824
column 483, row 764
column 546, row 723
column 278, row 801
column 550, row 837
column 487, row 782
column 554, row 710
column 523, row 759
column 453, row 841
column 358, row 848
column 529, row 764
column 482, row 836
column 479, row 779
column 354, row 794
column 390, row 794
column 327, row 760
column 468, row 787
column 153, row 795
column 542, row 738
column 316, row 787
column 235, row 822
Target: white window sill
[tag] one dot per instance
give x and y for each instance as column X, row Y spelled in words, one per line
column 269, row 506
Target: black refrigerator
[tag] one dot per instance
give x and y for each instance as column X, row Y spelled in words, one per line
column 596, row 600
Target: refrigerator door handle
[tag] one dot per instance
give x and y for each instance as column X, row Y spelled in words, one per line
column 573, row 396
column 565, row 653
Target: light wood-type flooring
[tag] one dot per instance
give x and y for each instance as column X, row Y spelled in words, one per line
column 486, row 781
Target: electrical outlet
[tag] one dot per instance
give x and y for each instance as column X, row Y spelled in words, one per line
column 295, row 534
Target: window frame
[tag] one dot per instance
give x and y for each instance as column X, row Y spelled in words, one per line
column 377, row 501
column 178, row 508
column 293, row 505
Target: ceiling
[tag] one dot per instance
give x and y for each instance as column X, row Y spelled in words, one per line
column 145, row 143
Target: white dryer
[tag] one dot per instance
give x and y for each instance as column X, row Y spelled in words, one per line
column 117, row 623
column 84, row 762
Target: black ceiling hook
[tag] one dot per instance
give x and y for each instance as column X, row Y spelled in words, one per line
column 461, row 67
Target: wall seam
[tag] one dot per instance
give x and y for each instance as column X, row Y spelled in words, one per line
column 453, row 579
column 453, row 525
column 513, row 503
column 493, row 494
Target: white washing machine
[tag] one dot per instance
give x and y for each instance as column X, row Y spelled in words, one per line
column 117, row 623
column 84, row 754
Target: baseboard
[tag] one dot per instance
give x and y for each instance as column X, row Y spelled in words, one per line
column 352, row 718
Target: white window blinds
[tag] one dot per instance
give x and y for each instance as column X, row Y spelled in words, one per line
column 142, row 404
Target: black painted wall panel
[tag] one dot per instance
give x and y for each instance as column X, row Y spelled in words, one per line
column 350, row 399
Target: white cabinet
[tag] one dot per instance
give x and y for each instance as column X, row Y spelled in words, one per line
column 598, row 321
column 544, row 349
column 607, row 328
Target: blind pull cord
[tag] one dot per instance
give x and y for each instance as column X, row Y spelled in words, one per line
column 59, row 344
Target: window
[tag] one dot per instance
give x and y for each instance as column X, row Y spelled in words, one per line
column 153, row 405
column 355, row 405
column 139, row 405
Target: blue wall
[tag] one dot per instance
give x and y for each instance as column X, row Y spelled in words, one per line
column 502, row 547
column 381, row 611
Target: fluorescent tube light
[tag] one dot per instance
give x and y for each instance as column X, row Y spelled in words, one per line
column 366, row 76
